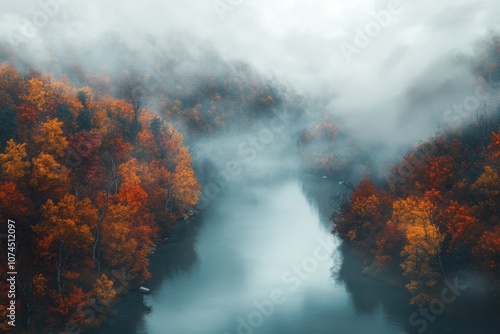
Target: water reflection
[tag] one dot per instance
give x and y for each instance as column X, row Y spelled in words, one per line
column 318, row 192
column 176, row 257
column 375, row 300
column 259, row 237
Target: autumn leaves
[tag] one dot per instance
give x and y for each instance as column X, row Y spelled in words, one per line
column 440, row 220
column 93, row 182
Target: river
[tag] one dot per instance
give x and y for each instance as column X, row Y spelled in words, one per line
column 261, row 259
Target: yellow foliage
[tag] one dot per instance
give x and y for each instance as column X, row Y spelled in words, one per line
column 68, row 221
column 13, row 162
column 51, row 139
column 185, row 186
column 423, row 246
column 129, row 172
column 36, row 96
column 488, row 184
column 366, row 205
column 48, row 174
column 118, row 245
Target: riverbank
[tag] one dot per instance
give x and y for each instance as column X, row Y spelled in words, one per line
column 216, row 269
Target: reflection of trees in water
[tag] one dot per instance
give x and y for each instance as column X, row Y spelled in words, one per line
column 373, row 298
column 318, row 193
column 368, row 295
column 178, row 255
column 126, row 318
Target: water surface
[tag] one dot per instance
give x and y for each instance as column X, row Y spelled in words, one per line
column 261, row 259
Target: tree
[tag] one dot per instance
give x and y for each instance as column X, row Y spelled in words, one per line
column 83, row 157
column 35, row 293
column 11, row 86
column 390, row 244
column 185, row 187
column 133, row 195
column 36, row 98
column 103, row 290
column 49, row 176
column 487, row 250
column 84, row 119
column 488, row 185
column 458, row 221
column 421, row 254
column 65, row 307
column 118, row 247
column 436, row 173
column 65, row 232
column 89, row 188
column 129, row 172
column 13, row 203
column 102, row 204
column 13, row 162
column 364, row 217
column 113, row 118
column 494, row 146
column 51, row 139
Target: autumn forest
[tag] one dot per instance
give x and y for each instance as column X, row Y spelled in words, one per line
column 100, row 166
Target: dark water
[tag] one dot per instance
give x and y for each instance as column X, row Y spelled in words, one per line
column 260, row 259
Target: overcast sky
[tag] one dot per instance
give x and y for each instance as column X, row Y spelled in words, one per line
column 300, row 42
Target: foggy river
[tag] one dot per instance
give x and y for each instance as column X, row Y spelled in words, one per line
column 261, row 259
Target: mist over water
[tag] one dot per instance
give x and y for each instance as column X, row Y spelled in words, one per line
column 218, row 272
column 241, row 261
column 259, row 216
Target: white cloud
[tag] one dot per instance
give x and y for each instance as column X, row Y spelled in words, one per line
column 295, row 40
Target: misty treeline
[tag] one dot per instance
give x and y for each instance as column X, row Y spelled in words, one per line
column 95, row 170
column 184, row 81
column 92, row 183
column 436, row 216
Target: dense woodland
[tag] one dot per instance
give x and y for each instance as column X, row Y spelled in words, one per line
column 437, row 215
column 95, row 169
column 92, row 182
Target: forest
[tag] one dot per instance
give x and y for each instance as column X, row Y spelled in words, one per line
column 93, row 183
column 436, row 215
column 96, row 179
column 105, row 155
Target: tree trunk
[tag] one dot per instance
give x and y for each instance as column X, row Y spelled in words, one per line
column 96, row 254
column 59, row 266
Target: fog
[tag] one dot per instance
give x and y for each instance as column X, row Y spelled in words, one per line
column 391, row 85
column 394, row 72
